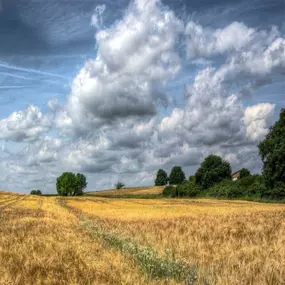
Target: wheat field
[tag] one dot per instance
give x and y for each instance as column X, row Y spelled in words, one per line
column 135, row 191
column 93, row 240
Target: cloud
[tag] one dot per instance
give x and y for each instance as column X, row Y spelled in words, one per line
column 112, row 126
column 24, row 125
column 134, row 58
column 236, row 37
column 258, row 119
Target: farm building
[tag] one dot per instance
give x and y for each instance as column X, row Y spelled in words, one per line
column 236, row 175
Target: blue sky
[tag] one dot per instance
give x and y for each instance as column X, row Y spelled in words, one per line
column 45, row 45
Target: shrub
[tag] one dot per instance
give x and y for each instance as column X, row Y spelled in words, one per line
column 119, row 185
column 168, row 191
column 187, row 189
column 225, row 189
column 249, row 186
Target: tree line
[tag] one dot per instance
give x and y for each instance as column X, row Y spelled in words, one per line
column 213, row 177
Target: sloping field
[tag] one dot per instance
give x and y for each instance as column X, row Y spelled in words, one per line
column 224, row 242
column 137, row 191
column 94, row 240
column 42, row 242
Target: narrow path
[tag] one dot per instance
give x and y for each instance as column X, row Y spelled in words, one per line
column 11, row 202
column 149, row 260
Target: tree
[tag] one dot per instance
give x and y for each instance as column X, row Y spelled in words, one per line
column 212, row 170
column 244, row 172
column 177, row 176
column 119, row 185
column 192, row 178
column 272, row 152
column 82, row 183
column 161, row 178
column 36, row 192
column 69, row 184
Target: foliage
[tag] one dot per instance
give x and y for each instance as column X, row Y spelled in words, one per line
column 187, row 189
column 192, row 178
column 168, row 191
column 272, row 152
column 69, row 184
column 213, row 170
column 36, row 192
column 249, row 186
column 82, row 183
column 276, row 193
column 244, row 172
column 119, row 185
column 161, row 178
column 177, row 176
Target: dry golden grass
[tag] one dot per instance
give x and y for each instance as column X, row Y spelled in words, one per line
column 43, row 243
column 154, row 190
column 43, row 240
column 233, row 242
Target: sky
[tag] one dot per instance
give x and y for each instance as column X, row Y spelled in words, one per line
column 118, row 89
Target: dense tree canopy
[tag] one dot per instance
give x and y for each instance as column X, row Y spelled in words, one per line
column 244, row 172
column 212, row 171
column 36, row 192
column 272, row 152
column 161, row 178
column 177, row 176
column 69, row 184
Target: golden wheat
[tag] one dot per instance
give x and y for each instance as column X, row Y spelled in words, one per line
column 92, row 240
column 155, row 190
column 43, row 243
column 233, row 242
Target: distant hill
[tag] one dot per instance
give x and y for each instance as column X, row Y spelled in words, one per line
column 136, row 191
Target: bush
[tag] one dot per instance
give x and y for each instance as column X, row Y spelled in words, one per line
column 187, row 189
column 119, row 185
column 168, row 191
column 225, row 189
column 249, row 186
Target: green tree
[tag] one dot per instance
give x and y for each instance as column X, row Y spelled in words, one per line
column 82, row 183
column 213, row 170
column 272, row 152
column 244, row 172
column 177, row 176
column 119, row 185
column 36, row 192
column 192, row 178
column 69, row 184
column 161, row 178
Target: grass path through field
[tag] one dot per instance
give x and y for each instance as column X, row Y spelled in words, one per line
column 154, row 265
column 42, row 243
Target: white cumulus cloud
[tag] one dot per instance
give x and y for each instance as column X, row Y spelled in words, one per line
column 258, row 119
